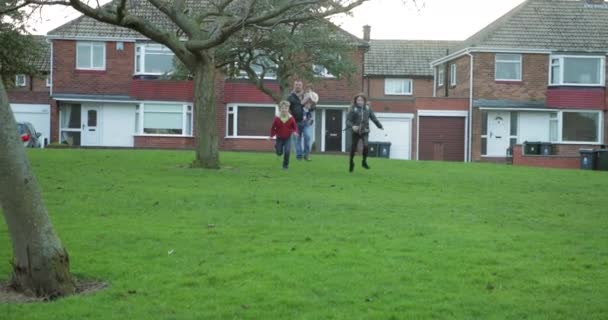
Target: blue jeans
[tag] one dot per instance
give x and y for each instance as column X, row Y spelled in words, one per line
column 304, row 136
column 283, row 147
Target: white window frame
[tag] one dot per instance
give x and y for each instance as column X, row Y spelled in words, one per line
column 453, row 74
column 20, row 80
column 560, row 65
column 140, row 51
column 322, row 72
column 440, row 76
column 91, row 44
column 402, row 81
column 48, row 82
column 560, row 126
column 233, row 109
column 140, row 115
column 498, row 61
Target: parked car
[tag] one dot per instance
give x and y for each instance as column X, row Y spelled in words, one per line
column 29, row 136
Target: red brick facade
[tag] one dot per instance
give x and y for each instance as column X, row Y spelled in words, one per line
column 116, row 79
column 576, row 98
column 552, row 161
column 35, row 91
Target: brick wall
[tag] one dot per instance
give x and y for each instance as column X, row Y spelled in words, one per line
column 533, row 86
column 553, row 161
column 54, row 121
column 115, row 80
column 463, row 81
column 165, row 90
column 476, row 135
column 164, row 142
column 35, row 91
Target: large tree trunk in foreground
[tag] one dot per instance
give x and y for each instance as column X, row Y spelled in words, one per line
column 207, row 155
column 40, row 263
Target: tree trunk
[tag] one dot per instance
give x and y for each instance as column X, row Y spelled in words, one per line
column 41, row 266
column 207, row 155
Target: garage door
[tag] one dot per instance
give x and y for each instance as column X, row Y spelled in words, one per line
column 37, row 114
column 397, row 131
column 442, row 138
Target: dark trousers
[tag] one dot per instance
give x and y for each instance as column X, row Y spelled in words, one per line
column 283, row 147
column 355, row 141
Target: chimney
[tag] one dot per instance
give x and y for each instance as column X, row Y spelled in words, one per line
column 367, row 29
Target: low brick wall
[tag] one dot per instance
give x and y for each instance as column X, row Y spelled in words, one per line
column 164, row 142
column 568, row 161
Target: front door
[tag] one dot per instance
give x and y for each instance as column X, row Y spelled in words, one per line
column 90, row 126
column 498, row 133
column 333, row 130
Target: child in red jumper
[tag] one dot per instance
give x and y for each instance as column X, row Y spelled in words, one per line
column 283, row 126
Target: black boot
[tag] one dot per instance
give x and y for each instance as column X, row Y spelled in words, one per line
column 364, row 165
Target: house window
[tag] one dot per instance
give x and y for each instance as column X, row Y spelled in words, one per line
column 580, row 126
column 513, row 128
column 453, row 74
column 321, row 71
column 260, row 64
column 577, row 70
column 20, row 80
column 575, row 126
column 91, row 55
column 398, row 86
column 153, row 59
column 165, row 119
column 508, row 67
column 70, row 124
column 249, row 121
column 484, row 132
column 48, row 81
column 440, row 76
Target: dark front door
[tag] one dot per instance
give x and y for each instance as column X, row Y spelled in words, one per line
column 333, row 130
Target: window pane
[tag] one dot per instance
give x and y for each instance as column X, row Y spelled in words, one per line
column 484, row 146
column 513, row 123
column 484, row 123
column 70, row 116
column 555, row 70
column 582, row 70
column 508, row 71
column 158, row 63
column 508, row 57
column 580, row 126
column 189, row 123
column 254, row 121
column 163, row 108
column 84, row 55
column 162, row 123
column 98, row 55
column 92, row 118
column 398, row 86
column 231, row 125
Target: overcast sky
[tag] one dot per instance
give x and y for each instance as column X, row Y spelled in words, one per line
column 389, row 19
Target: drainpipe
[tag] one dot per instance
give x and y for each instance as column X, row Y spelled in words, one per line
column 470, row 122
column 51, row 71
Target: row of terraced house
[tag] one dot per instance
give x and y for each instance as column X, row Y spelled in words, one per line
column 538, row 73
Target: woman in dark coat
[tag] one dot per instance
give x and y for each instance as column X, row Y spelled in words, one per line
column 358, row 121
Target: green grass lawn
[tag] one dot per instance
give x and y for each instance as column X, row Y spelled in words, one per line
column 405, row 240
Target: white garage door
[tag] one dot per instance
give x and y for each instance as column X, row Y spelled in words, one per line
column 397, row 131
column 37, row 114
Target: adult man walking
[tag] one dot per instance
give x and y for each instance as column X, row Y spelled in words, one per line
column 296, row 108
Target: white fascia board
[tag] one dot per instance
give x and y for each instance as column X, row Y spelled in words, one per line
column 442, row 113
column 120, row 101
column 464, row 51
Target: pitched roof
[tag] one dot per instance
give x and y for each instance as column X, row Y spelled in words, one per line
column 404, row 57
column 561, row 25
column 86, row 27
column 42, row 63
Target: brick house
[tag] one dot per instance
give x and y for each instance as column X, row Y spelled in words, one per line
column 107, row 90
column 29, row 94
column 399, row 82
column 536, row 74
